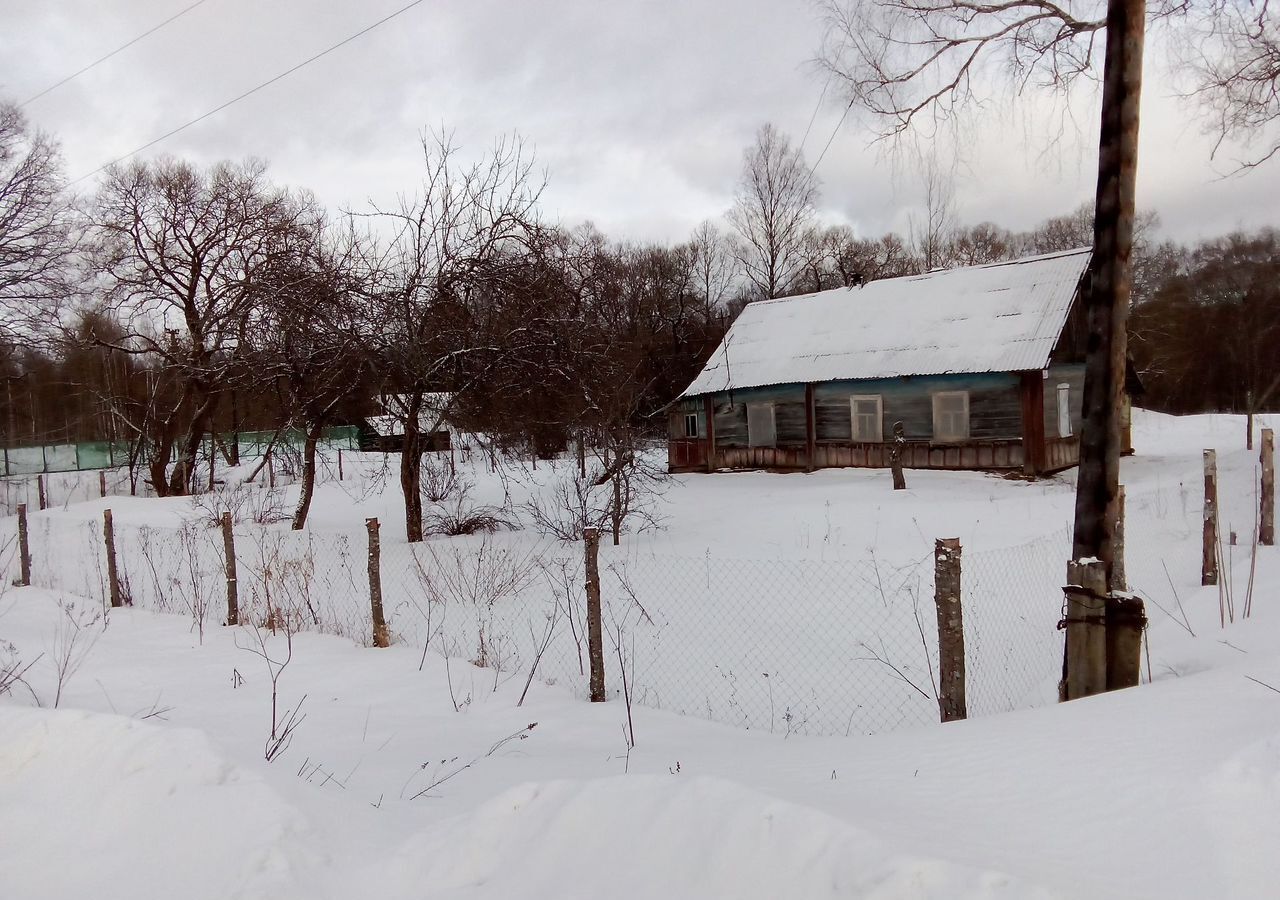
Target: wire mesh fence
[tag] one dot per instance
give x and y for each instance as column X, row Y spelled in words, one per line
column 790, row 646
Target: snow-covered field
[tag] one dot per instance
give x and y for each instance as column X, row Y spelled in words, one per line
column 417, row 776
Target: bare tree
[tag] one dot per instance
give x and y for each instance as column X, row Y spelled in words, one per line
column 910, row 61
column 932, row 233
column 1233, row 48
column 713, row 266
column 773, row 206
column 36, row 238
column 453, row 246
column 179, row 249
column 304, row 337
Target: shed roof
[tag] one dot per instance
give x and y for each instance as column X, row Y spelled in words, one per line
column 999, row 317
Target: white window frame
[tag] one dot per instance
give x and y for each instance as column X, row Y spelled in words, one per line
column 754, row 440
column 1064, row 410
column 878, row 435
column 944, row 436
column 694, row 417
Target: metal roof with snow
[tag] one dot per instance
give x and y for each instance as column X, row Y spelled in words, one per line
column 998, row 317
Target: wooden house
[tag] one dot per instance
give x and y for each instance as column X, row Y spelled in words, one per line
column 983, row 366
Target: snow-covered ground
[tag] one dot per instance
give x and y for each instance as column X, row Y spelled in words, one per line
column 413, row 778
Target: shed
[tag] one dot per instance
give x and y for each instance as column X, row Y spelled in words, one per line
column 982, row 365
column 385, row 432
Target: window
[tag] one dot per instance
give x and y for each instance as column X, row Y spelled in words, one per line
column 691, row 425
column 866, row 418
column 1064, row 410
column 760, row 426
column 951, row 416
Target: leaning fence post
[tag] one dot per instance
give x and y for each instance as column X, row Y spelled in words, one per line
column 1209, row 554
column 1267, row 501
column 42, row 492
column 233, row 586
column 1085, row 623
column 113, row 576
column 381, row 638
column 24, row 547
column 102, row 483
column 946, row 594
column 595, row 637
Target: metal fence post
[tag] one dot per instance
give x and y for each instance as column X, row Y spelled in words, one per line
column 233, row 586
column 24, row 547
column 381, row 637
column 113, row 576
column 946, row 595
column 595, row 637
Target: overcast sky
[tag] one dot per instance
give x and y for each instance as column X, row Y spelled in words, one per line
column 639, row 111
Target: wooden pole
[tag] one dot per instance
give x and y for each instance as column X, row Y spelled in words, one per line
column 1248, row 421
column 113, row 576
column 709, row 411
column 1118, row 579
column 810, row 429
column 229, row 551
column 1109, row 283
column 946, row 595
column 24, row 547
column 381, row 637
column 1267, row 500
column 1209, row 545
column 340, row 464
column 42, row 493
column 102, row 484
column 595, row 637
column 1085, row 623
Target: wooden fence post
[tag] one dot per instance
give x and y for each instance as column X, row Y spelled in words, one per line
column 24, row 547
column 1267, row 501
column 42, row 492
column 102, row 483
column 1126, row 621
column 113, row 576
column 233, row 585
column 1209, row 554
column 895, row 456
column 381, row 637
column 1086, row 661
column 339, row 463
column 946, row 594
column 1119, row 578
column 595, row 637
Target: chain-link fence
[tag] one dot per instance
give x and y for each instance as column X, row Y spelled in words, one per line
column 789, row 646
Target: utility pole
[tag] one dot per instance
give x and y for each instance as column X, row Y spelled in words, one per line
column 1106, row 295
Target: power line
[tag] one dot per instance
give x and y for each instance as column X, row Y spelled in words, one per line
column 270, row 81
column 844, row 115
column 102, row 59
column 814, row 115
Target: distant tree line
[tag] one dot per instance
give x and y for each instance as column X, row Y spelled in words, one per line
column 176, row 304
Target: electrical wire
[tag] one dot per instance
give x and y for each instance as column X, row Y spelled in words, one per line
column 122, row 47
column 252, row 90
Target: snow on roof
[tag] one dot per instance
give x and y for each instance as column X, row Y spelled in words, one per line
column 999, row 317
